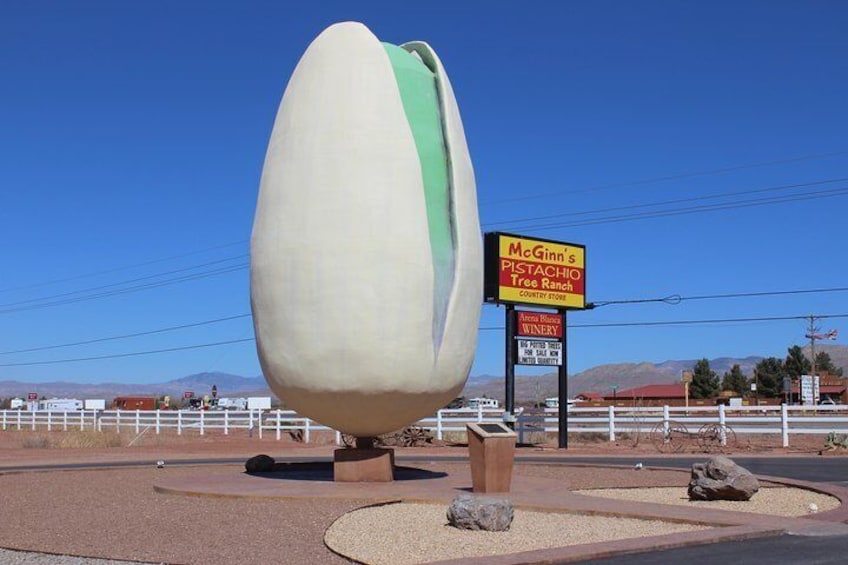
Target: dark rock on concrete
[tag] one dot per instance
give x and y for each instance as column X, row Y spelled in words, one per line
column 721, row 479
column 259, row 464
column 487, row 513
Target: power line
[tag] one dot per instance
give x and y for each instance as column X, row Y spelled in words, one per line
column 132, row 354
column 125, row 267
column 530, row 227
column 675, row 299
column 671, row 299
column 136, row 288
column 137, row 279
column 127, row 336
column 688, row 322
column 765, row 293
column 653, row 180
column 485, row 328
column 702, row 321
column 690, row 210
column 668, row 202
column 525, row 197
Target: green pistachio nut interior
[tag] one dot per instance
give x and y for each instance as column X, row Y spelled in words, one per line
column 419, row 95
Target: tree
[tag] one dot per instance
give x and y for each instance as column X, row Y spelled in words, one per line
column 704, row 380
column 734, row 380
column 824, row 364
column 769, row 375
column 796, row 363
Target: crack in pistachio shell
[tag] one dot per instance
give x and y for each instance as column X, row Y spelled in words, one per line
column 420, row 99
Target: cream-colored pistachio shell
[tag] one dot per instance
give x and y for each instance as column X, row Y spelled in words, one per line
column 342, row 277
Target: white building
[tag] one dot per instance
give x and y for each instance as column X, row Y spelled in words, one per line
column 553, row 402
column 60, row 404
column 483, row 403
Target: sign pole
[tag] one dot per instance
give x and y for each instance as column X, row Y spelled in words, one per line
column 563, row 385
column 509, row 369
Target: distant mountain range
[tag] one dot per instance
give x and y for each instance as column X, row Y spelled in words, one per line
column 200, row 384
column 599, row 379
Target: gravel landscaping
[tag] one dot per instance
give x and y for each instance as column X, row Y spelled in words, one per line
column 775, row 501
column 9, row 557
column 425, row 535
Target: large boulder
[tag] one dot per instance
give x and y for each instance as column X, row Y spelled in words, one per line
column 487, row 513
column 721, row 479
column 259, row 464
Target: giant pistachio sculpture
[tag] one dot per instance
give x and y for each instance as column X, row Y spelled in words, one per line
column 366, row 259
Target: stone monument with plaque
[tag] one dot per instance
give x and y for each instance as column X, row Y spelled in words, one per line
column 491, row 448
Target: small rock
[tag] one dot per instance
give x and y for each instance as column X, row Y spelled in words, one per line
column 721, row 479
column 486, row 513
column 813, row 508
column 259, row 464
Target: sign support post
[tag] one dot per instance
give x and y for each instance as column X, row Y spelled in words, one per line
column 563, row 386
column 509, row 369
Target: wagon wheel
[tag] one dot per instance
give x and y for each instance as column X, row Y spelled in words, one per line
column 671, row 439
column 710, row 438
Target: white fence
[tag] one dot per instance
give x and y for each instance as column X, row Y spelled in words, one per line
column 780, row 420
column 783, row 420
column 201, row 421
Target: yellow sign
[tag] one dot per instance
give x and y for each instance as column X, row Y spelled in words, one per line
column 540, row 272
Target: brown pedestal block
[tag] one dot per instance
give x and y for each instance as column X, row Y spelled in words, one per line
column 373, row 465
column 492, row 452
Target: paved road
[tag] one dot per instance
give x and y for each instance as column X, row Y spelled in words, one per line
column 781, row 550
column 833, row 470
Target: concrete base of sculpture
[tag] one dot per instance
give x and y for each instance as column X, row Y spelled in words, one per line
column 364, row 465
column 492, row 452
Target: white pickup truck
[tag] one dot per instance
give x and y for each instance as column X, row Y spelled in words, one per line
column 232, row 404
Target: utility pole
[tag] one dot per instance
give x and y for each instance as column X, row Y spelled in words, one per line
column 755, row 386
column 812, row 335
column 687, row 380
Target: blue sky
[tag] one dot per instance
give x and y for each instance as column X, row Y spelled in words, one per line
column 132, row 137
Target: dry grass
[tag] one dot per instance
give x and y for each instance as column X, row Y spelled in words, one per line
column 36, row 442
column 539, row 437
column 71, row 440
column 454, row 437
column 588, row 437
